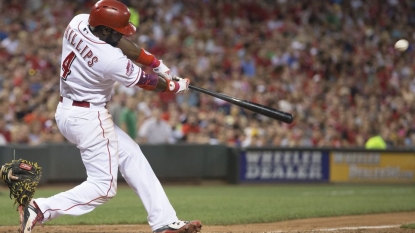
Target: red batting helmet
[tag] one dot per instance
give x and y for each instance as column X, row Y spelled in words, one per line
column 113, row 14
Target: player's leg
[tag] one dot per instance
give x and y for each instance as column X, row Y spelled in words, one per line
column 94, row 134
column 138, row 173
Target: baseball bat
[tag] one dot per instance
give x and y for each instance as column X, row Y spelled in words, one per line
column 258, row 108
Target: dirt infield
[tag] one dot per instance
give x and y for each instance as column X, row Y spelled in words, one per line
column 379, row 223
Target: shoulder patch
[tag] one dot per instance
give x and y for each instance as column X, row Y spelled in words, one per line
column 130, row 68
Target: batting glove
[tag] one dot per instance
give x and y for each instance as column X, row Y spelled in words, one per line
column 179, row 85
column 163, row 71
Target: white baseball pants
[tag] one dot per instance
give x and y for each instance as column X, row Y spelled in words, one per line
column 104, row 148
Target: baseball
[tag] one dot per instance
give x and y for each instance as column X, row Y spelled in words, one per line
column 401, row 45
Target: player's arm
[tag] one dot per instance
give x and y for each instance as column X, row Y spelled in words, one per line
column 163, row 81
column 152, row 82
column 124, row 71
column 139, row 55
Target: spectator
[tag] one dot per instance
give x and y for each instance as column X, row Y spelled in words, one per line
column 20, row 134
column 5, row 133
column 128, row 118
column 155, row 130
column 375, row 141
column 173, row 120
column 410, row 139
column 248, row 66
column 11, row 42
column 191, row 125
column 35, row 133
column 115, row 108
column 297, row 56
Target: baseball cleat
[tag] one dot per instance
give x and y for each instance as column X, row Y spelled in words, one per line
column 181, row 227
column 29, row 216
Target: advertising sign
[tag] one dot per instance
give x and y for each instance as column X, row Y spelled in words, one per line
column 389, row 167
column 283, row 165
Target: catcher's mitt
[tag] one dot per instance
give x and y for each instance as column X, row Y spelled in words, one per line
column 22, row 177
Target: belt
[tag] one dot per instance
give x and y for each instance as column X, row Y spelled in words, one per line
column 83, row 104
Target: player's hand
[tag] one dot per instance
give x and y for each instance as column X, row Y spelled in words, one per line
column 163, row 71
column 10, row 175
column 183, row 84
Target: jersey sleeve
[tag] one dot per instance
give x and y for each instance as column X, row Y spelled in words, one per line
column 124, row 71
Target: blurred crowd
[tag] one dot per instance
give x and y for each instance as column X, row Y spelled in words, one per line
column 330, row 63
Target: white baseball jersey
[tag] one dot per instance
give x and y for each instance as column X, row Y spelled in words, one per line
column 90, row 67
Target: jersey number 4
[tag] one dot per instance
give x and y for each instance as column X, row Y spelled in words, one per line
column 66, row 65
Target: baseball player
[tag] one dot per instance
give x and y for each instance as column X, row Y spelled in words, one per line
column 91, row 64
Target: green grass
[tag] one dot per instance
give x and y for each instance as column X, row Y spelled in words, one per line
column 408, row 226
column 217, row 205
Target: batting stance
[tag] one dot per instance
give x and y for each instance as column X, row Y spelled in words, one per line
column 91, row 64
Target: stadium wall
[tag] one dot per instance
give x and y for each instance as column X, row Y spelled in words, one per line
column 62, row 163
